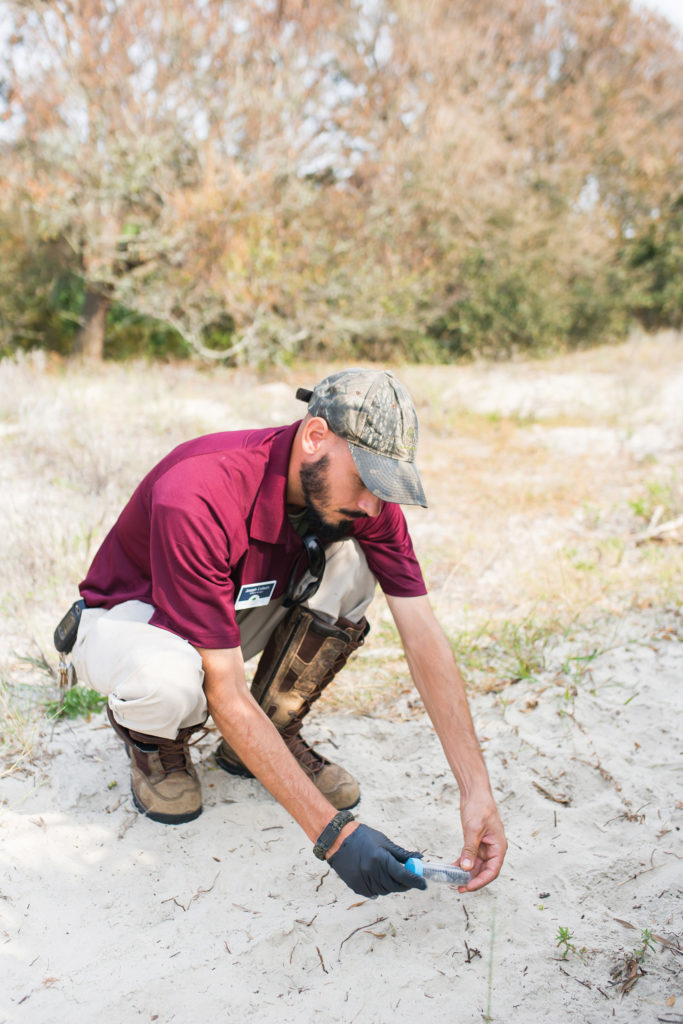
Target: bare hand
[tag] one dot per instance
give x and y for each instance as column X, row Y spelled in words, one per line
column 484, row 845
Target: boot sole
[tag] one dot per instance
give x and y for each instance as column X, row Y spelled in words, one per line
column 233, row 769
column 348, row 807
column 164, row 819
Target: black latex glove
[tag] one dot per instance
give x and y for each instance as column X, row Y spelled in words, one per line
column 372, row 865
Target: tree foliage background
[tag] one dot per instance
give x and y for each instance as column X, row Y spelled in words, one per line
column 249, row 180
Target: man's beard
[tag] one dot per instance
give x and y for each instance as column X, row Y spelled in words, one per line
column 315, row 491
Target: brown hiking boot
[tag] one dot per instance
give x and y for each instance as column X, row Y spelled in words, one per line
column 333, row 781
column 301, row 658
column 163, row 780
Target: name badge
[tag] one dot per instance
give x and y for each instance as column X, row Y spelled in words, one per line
column 255, row 595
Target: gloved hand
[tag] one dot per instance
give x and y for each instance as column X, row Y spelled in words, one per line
column 372, row 865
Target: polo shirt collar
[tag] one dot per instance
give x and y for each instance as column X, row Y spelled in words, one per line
column 269, row 520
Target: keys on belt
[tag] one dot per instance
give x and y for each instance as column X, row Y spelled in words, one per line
column 64, row 640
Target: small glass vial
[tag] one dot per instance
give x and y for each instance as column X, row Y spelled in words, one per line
column 434, row 871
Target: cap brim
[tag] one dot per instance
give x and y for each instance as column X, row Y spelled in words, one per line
column 387, row 478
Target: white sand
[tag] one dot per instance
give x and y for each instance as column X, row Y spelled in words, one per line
column 108, row 916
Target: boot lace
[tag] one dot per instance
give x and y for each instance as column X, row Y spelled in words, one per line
column 175, row 754
column 305, row 754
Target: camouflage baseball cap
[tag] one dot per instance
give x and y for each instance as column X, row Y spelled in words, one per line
column 376, row 415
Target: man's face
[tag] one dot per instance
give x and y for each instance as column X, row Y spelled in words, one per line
column 335, row 495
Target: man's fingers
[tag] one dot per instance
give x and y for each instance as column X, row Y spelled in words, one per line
column 486, row 873
column 486, row 864
column 468, row 857
column 401, row 875
column 399, row 852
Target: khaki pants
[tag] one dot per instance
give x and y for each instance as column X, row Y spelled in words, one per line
column 154, row 678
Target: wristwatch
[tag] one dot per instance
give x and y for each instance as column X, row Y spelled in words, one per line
column 330, row 833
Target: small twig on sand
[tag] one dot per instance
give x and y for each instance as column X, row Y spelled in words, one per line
column 472, row 952
column 558, row 798
column 247, row 910
column 632, row 878
column 300, row 920
column 128, row 823
column 586, row 984
column 195, row 896
column 360, row 928
column 322, row 962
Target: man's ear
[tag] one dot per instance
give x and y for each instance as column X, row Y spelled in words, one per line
column 315, row 432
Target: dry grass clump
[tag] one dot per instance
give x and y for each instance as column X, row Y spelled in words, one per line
column 541, row 478
column 18, row 728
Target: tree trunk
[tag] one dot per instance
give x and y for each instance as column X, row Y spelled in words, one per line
column 89, row 342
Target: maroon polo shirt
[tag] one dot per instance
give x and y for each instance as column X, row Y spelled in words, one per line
column 210, row 518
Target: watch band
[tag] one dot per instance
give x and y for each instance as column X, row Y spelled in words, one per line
column 330, row 833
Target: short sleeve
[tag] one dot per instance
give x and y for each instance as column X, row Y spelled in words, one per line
column 388, row 547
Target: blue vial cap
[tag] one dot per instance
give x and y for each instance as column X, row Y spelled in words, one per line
column 414, row 864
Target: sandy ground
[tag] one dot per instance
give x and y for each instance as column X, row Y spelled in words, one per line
column 106, row 915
